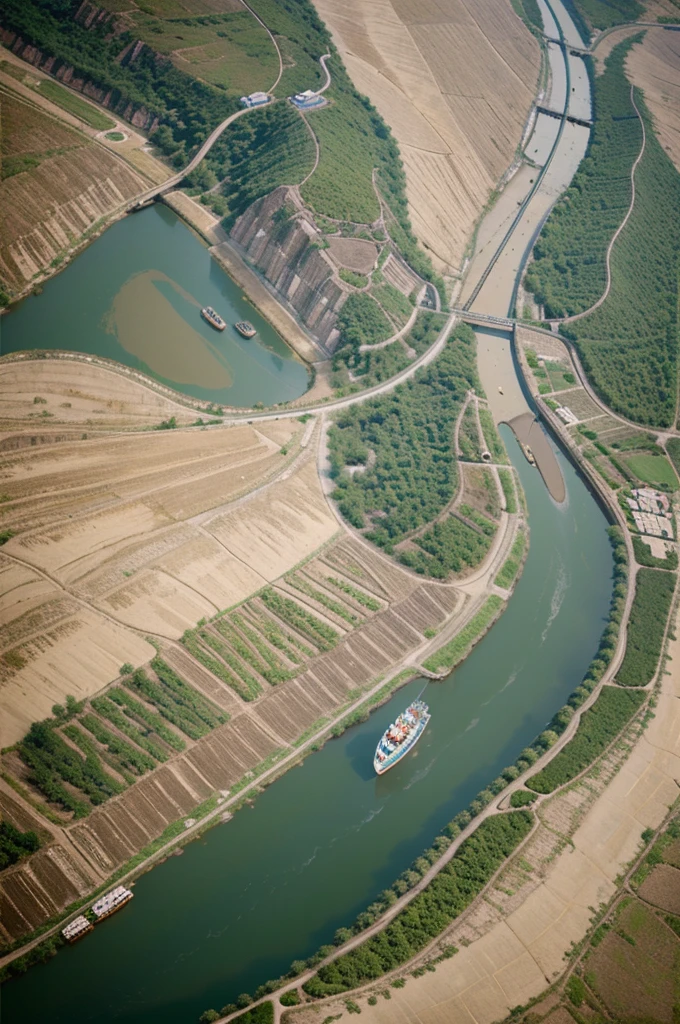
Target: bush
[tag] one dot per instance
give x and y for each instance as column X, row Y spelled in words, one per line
column 612, row 710
column 644, row 556
column 520, row 798
column 646, row 626
column 15, row 844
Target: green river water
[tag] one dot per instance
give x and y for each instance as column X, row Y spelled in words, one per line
column 277, row 881
column 135, row 295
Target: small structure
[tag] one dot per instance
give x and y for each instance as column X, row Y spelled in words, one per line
column 566, row 415
column 651, row 511
column 256, row 99
column 307, row 100
column 77, row 928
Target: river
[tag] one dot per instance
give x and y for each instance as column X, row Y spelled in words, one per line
column 317, row 847
column 135, row 295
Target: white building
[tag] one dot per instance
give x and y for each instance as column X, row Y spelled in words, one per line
column 256, row 99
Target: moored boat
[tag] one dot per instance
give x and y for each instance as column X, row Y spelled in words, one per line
column 75, row 929
column 213, row 318
column 245, row 328
column 401, row 736
column 111, row 902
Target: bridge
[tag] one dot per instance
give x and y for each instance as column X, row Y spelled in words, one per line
column 564, row 117
column 485, row 319
column 575, row 51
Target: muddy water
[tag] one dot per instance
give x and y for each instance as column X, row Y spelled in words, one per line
column 135, row 296
column 275, row 882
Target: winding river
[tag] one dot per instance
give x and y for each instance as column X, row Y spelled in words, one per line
column 317, row 847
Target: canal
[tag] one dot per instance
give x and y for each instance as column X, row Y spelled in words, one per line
column 135, row 295
column 276, row 882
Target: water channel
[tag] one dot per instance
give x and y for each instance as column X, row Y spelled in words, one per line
column 317, row 847
column 135, row 295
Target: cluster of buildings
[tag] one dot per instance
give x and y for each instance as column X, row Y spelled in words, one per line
column 651, row 512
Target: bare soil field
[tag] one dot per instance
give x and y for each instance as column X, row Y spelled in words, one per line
column 654, row 66
column 77, row 393
column 59, row 184
column 356, row 254
column 455, row 81
column 662, row 888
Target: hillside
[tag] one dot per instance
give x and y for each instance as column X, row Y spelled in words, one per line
column 455, row 81
column 654, row 66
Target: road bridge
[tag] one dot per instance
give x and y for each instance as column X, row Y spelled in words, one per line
column 566, row 117
column 503, row 323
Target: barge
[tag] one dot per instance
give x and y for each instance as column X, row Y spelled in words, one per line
column 245, row 328
column 111, row 902
column 213, row 318
column 75, row 930
column 401, row 737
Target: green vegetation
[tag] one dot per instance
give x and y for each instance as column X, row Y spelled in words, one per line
column 52, row 763
column 187, row 109
column 138, row 712
column 107, row 709
column 305, row 587
column 115, row 136
column 269, row 666
column 350, row 277
column 568, row 272
column 644, row 556
column 629, row 345
column 373, row 367
column 414, row 473
column 192, row 641
column 529, row 12
column 248, row 686
column 259, row 152
column 507, row 483
column 179, row 703
column 448, row 656
column 469, row 441
column 493, row 441
column 426, row 916
column 15, row 844
column 612, row 710
column 654, row 470
column 362, row 322
column 450, row 545
column 394, row 303
column 602, row 14
column 673, row 449
column 73, row 104
column 511, row 565
column 358, row 595
column 521, row 798
column 646, row 626
column 322, row 636
column 127, row 758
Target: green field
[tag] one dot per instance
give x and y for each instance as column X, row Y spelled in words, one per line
column 653, row 469
column 75, row 105
column 646, row 626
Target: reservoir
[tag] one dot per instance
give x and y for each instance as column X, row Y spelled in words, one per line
column 135, row 295
column 275, row 883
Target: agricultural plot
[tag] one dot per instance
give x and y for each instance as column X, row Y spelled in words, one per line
column 372, row 367
column 480, row 490
column 635, row 969
column 451, row 545
column 654, row 66
column 55, row 185
column 653, row 469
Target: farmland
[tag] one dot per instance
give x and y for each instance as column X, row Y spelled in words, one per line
column 457, row 125
column 55, row 185
column 654, row 66
column 372, row 367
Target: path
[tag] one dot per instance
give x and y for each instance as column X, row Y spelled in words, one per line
column 401, row 332
column 605, row 293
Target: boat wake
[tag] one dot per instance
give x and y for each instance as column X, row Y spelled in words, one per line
column 421, row 774
column 562, row 583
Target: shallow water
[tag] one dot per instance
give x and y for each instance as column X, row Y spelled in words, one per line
column 135, row 295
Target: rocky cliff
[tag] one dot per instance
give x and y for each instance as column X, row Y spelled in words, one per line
column 277, row 235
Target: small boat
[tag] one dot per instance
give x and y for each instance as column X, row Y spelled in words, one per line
column 529, row 455
column 401, row 736
column 245, row 328
column 76, row 929
column 113, row 901
column 213, row 318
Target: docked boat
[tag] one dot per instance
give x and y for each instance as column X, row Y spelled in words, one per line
column 245, row 328
column 213, row 318
column 401, row 736
column 112, row 902
column 75, row 929
column 529, row 455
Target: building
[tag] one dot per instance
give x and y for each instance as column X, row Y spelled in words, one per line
column 307, row 100
column 256, row 99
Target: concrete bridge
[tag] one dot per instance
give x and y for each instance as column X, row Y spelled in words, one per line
column 576, row 51
column 564, row 117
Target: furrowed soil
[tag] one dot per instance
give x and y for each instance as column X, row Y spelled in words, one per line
column 455, row 81
column 654, row 66
column 56, row 184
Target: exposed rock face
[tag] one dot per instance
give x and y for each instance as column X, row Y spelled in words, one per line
column 280, row 238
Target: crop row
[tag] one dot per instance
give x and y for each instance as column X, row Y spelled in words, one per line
column 449, row 546
column 305, row 587
column 324, row 637
column 646, row 627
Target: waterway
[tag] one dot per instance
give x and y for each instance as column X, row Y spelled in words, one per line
column 135, row 295
column 317, row 847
